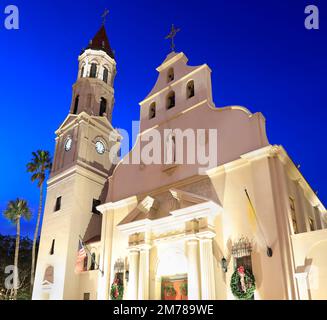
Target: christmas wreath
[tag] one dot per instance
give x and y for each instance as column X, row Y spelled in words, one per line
column 242, row 284
column 117, row 290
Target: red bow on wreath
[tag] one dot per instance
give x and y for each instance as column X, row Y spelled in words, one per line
column 116, row 292
column 241, row 272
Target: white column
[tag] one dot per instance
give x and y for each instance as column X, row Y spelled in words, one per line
column 105, row 257
column 133, row 274
column 193, row 275
column 208, row 291
column 144, row 273
column 302, row 283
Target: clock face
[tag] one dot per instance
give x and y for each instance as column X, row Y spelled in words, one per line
column 68, row 144
column 99, row 147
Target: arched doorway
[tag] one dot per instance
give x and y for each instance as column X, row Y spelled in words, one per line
column 171, row 274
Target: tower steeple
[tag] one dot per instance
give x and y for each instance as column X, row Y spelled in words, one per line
column 93, row 91
column 101, row 42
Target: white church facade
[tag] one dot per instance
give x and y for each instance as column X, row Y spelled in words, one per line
column 247, row 226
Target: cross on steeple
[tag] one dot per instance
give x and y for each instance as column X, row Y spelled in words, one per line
column 104, row 16
column 172, row 35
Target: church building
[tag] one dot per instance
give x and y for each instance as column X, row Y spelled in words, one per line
column 245, row 226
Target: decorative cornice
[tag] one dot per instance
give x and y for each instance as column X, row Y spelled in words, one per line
column 83, row 117
column 172, row 60
column 107, row 207
column 100, row 53
column 79, row 168
column 175, row 220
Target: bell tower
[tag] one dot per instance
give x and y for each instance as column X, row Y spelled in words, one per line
column 81, row 167
column 93, row 91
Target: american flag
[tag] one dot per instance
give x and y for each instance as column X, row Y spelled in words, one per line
column 81, row 255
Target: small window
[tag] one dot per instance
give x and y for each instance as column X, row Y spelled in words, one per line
column 105, row 75
column 48, row 274
column 86, row 296
column 103, row 106
column 92, row 261
column 171, row 100
column 76, row 105
column 58, row 204
column 293, row 215
column 93, row 72
column 52, row 247
column 190, row 89
column 312, row 224
column 95, row 203
column 174, row 148
column 170, row 157
column 152, row 110
column 170, row 75
column 82, row 72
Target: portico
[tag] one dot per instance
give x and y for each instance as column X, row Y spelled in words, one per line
column 182, row 239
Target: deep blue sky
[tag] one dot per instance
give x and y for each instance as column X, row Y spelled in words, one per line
column 261, row 55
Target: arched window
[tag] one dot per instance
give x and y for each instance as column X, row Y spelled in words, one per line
column 190, row 89
column 152, row 110
column 103, row 106
column 93, row 256
column 76, row 105
column 171, row 149
column 82, row 72
column 93, row 72
column 171, row 100
column 170, row 75
column 48, row 274
column 105, row 75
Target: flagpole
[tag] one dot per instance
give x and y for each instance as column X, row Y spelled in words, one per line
column 269, row 250
column 93, row 260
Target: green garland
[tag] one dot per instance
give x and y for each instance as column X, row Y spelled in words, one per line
column 116, row 291
column 184, row 289
column 236, row 286
column 170, row 290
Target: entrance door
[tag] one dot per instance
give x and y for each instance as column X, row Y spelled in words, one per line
column 174, row 288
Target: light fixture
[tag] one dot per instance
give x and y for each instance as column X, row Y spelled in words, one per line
column 224, row 264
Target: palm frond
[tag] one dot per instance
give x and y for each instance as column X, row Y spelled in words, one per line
column 17, row 209
column 39, row 166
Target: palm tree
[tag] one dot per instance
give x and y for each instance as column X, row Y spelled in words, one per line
column 14, row 212
column 39, row 166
